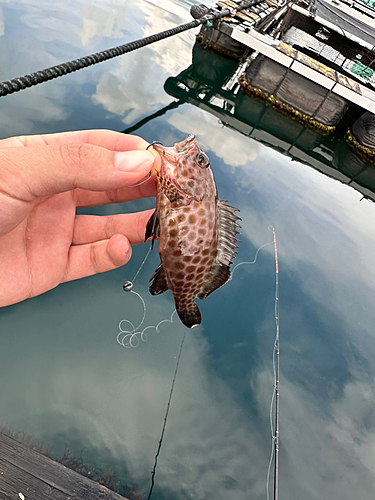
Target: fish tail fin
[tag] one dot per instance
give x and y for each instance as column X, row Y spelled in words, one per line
column 189, row 314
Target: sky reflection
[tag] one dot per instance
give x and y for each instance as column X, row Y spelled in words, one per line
column 66, row 379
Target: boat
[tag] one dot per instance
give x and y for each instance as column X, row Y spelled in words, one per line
column 211, row 83
column 311, row 60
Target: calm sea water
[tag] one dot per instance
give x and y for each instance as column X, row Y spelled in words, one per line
column 66, row 380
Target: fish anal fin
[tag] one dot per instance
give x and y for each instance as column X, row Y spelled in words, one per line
column 217, row 277
column 189, row 314
column 168, row 188
column 153, row 228
column 159, row 281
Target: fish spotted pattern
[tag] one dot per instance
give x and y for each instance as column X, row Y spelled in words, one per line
column 197, row 232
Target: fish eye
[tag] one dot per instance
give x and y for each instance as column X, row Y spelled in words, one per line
column 202, row 160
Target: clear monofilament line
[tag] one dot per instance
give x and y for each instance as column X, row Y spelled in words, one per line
column 252, row 261
column 153, row 472
column 143, row 263
column 130, row 337
column 125, row 337
column 277, row 374
column 275, row 392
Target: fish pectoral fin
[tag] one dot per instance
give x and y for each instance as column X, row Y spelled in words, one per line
column 169, row 189
column 159, row 281
column 153, row 227
column 218, row 276
column 189, row 314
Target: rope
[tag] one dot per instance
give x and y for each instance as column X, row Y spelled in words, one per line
column 23, row 82
column 286, row 73
column 160, row 112
column 328, row 94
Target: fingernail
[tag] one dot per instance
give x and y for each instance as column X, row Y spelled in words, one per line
column 130, row 161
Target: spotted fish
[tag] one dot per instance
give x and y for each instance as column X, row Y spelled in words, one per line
column 197, row 232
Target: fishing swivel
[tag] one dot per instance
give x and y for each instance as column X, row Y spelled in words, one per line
column 127, row 286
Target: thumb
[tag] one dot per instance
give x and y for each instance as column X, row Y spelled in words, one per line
column 36, row 171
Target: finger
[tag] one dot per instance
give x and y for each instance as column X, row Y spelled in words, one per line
column 145, row 189
column 109, row 139
column 28, row 173
column 91, row 228
column 115, row 141
column 98, row 257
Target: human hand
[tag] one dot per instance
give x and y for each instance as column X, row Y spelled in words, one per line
column 43, row 179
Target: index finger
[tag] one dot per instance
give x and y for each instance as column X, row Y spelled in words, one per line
column 109, row 139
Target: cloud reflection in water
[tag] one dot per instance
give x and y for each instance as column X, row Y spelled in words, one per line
column 64, row 375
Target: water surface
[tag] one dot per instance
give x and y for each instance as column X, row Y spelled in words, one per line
column 66, row 380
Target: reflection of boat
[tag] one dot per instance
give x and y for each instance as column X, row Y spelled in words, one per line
column 257, row 119
column 210, row 84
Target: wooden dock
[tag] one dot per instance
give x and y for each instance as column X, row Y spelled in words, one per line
column 26, row 474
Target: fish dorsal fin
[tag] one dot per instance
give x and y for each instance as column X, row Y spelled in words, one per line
column 153, row 227
column 159, row 281
column 227, row 233
column 226, row 249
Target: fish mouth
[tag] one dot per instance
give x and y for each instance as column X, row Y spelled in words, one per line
column 182, row 147
column 185, row 146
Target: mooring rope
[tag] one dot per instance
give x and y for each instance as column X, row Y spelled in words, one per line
column 23, row 82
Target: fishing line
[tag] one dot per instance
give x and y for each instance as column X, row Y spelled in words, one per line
column 275, row 367
column 143, row 263
column 275, row 393
column 148, row 176
column 153, row 472
column 272, row 448
column 130, row 335
column 253, row 261
column 130, row 338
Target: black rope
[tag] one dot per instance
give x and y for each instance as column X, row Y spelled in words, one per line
column 328, row 94
column 160, row 112
column 288, row 69
column 23, row 82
